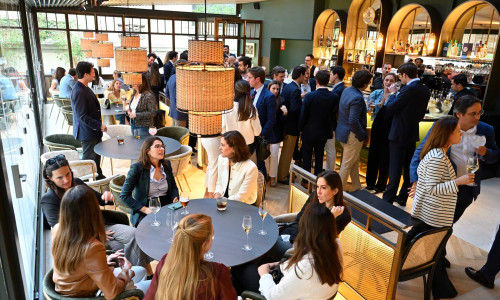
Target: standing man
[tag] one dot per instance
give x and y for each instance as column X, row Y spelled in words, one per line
column 292, row 100
column 351, row 127
column 309, row 62
column 315, row 122
column 407, row 109
column 168, row 68
column 67, row 84
column 151, row 59
column 336, row 78
column 278, row 73
column 244, row 63
column 179, row 118
column 87, row 124
column 458, row 84
column 378, row 82
column 226, row 51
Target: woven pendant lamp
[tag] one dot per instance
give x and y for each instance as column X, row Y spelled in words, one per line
column 102, row 51
column 132, row 62
column 205, row 125
column 88, row 35
column 103, row 37
column 131, row 41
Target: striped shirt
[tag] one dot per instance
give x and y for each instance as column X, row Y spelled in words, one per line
column 436, row 195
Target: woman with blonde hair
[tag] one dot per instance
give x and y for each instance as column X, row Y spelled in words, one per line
column 183, row 273
column 115, row 94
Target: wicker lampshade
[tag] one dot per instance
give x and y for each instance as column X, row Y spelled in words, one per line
column 131, row 60
column 102, row 49
column 86, row 44
column 103, row 37
column 131, row 41
column 88, row 54
column 132, row 78
column 206, row 51
column 209, row 125
column 88, row 34
column 105, row 62
column 205, row 88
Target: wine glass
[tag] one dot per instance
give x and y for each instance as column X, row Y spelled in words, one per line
column 209, row 255
column 472, row 166
column 152, row 130
column 247, row 225
column 184, row 199
column 172, row 222
column 262, row 214
column 155, row 205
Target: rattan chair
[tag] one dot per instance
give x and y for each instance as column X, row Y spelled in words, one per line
column 180, row 134
column 55, row 142
column 112, row 132
column 82, row 168
column 67, row 112
column 420, row 256
column 115, row 185
column 49, row 291
column 180, row 162
column 102, row 185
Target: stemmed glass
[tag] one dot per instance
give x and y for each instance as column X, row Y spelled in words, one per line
column 209, row 255
column 184, row 199
column 247, row 225
column 262, row 214
column 152, row 130
column 172, row 222
column 155, row 205
column 472, row 166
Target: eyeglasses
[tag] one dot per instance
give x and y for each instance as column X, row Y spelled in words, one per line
column 158, row 146
column 476, row 114
column 55, row 159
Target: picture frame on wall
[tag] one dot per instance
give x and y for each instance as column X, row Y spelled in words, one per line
column 250, row 50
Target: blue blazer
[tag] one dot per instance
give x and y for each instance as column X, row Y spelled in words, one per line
column 407, row 109
column 492, row 154
column 352, row 115
column 291, row 98
column 86, row 114
column 266, row 107
column 266, row 84
column 339, row 89
column 171, row 93
column 167, row 70
column 316, row 115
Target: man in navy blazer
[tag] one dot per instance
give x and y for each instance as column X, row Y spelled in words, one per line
column 315, row 121
column 407, row 109
column 337, row 74
column 351, row 127
column 291, row 98
column 168, row 68
column 87, row 124
column 278, row 73
column 468, row 111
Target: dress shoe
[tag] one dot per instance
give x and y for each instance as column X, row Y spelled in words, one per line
column 378, row 190
column 401, row 202
column 99, row 177
column 478, row 277
column 370, row 189
column 274, row 182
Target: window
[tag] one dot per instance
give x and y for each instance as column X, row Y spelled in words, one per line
column 224, row 9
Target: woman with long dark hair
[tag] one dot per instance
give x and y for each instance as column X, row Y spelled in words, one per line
column 278, row 132
column 155, row 80
column 98, row 80
column 142, row 108
column 56, row 80
column 193, row 278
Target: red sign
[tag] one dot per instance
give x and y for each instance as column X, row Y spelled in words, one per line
column 282, row 46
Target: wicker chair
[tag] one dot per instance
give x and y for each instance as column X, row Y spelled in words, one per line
column 180, row 134
column 67, row 112
column 49, row 291
column 112, row 132
column 180, row 162
column 115, row 185
column 57, row 142
column 420, row 256
column 102, row 185
column 82, row 168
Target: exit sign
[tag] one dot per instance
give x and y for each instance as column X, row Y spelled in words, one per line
column 282, row 45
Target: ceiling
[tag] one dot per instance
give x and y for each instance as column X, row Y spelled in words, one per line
column 75, row 3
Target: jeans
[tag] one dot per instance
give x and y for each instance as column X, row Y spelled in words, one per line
column 142, row 131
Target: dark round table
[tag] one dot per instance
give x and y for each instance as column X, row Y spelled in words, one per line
column 229, row 236
column 115, row 109
column 131, row 147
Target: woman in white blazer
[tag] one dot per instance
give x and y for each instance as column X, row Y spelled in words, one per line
column 244, row 117
column 435, row 196
column 237, row 174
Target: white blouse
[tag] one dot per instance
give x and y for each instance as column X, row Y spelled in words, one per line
column 249, row 128
column 135, row 102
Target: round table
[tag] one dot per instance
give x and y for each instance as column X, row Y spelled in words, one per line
column 229, row 236
column 115, row 109
column 98, row 90
column 131, row 147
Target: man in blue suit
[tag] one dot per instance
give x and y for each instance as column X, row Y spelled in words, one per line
column 265, row 102
column 407, row 109
column 336, row 78
column 169, row 66
column 292, row 99
column 278, row 73
column 87, row 124
column 315, row 121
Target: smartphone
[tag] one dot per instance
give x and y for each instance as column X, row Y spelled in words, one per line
column 174, row 206
column 118, row 110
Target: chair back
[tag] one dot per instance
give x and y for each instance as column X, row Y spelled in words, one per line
column 178, row 133
column 83, row 169
column 58, row 101
column 55, row 142
column 298, row 195
column 68, row 114
column 65, row 101
column 102, row 185
column 117, row 130
column 261, row 189
column 424, row 249
column 71, row 155
column 180, row 160
column 115, row 185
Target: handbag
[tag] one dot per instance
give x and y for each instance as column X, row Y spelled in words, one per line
column 262, row 148
column 276, row 271
column 106, row 104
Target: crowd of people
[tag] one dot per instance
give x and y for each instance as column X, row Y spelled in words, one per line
column 304, row 118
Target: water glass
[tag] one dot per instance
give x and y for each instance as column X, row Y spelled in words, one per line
column 172, row 223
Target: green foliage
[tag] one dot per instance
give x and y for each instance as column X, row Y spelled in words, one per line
column 224, row 9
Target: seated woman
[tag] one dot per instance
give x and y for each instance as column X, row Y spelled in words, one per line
column 184, row 273
column 142, row 107
column 117, row 95
column 59, row 178
column 150, row 176
column 435, row 196
column 237, row 174
column 81, row 267
column 315, row 269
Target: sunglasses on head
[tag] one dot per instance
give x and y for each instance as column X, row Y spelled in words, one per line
column 55, row 159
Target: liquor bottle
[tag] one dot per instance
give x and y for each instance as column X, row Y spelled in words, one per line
column 484, row 51
column 368, row 58
column 328, row 41
column 356, row 58
column 320, row 41
column 421, row 47
column 394, row 46
column 479, row 49
column 400, row 48
column 349, row 57
column 411, row 48
column 361, row 57
column 454, row 49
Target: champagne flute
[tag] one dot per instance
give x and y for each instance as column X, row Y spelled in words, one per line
column 247, row 225
column 209, row 255
column 262, row 214
column 172, row 222
column 184, row 199
column 155, row 205
column 472, row 166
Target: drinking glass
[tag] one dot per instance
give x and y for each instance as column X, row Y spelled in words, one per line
column 209, row 255
column 262, row 214
column 152, row 130
column 472, row 166
column 184, row 199
column 221, row 203
column 155, row 205
column 247, row 225
column 120, row 139
column 137, row 134
column 172, row 222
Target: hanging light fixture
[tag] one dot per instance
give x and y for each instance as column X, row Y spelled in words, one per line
column 431, row 43
column 102, row 51
column 380, row 41
column 103, row 37
column 88, row 34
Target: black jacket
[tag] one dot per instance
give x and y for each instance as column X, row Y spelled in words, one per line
column 291, row 98
column 318, row 112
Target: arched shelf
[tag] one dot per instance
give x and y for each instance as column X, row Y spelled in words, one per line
column 328, row 41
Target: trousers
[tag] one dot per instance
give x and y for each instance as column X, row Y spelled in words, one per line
column 308, row 147
column 399, row 161
column 89, row 153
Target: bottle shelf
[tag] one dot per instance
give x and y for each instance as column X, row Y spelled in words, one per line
column 360, row 50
